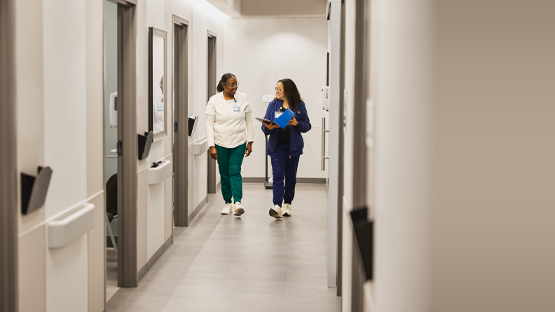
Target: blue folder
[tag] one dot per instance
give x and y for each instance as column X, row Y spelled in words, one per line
column 284, row 118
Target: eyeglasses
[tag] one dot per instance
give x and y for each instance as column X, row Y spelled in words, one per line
column 278, row 90
column 233, row 85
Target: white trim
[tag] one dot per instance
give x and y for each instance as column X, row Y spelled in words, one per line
column 180, row 21
column 68, row 211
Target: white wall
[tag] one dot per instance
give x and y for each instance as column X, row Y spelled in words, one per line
column 260, row 51
column 203, row 17
column 59, row 100
column 65, row 151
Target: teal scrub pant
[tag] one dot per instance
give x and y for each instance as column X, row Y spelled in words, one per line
column 230, row 161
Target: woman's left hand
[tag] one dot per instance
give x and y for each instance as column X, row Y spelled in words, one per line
column 293, row 122
column 248, row 151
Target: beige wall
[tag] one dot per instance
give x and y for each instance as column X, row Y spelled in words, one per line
column 348, row 154
column 29, row 98
column 494, row 148
column 462, row 172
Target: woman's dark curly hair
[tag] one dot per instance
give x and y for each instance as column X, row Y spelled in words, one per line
column 291, row 93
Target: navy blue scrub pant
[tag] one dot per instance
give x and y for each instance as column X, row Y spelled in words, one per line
column 284, row 165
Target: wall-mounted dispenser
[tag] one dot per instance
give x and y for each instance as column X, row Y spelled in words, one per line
column 114, row 110
column 192, row 124
column 326, row 98
column 145, row 141
column 34, row 190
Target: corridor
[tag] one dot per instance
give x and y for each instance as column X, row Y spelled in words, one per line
column 253, row 263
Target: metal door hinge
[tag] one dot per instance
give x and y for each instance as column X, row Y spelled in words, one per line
column 120, row 148
column 175, row 127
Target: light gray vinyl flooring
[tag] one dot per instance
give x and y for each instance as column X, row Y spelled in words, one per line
column 252, row 263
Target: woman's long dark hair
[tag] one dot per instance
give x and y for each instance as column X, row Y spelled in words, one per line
column 291, row 93
column 224, row 79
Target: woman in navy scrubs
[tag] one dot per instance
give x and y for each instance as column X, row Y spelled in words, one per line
column 285, row 146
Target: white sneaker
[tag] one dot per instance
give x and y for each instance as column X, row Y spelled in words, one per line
column 228, row 208
column 275, row 212
column 239, row 210
column 286, row 210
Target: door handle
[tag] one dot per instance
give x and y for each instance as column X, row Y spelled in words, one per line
column 324, row 131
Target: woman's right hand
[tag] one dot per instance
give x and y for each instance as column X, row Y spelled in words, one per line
column 271, row 126
column 213, row 152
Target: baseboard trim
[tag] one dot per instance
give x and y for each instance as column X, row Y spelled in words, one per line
column 155, row 258
column 197, row 210
column 299, row 180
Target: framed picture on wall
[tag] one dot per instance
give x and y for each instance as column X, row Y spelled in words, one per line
column 157, row 108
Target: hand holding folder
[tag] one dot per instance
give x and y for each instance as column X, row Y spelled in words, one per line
column 281, row 121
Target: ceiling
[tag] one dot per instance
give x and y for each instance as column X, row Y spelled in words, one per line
column 271, row 8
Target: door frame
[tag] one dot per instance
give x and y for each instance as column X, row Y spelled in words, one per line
column 341, row 160
column 181, row 125
column 211, row 82
column 127, row 133
column 8, row 161
column 359, row 161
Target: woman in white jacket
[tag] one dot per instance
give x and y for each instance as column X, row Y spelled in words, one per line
column 230, row 136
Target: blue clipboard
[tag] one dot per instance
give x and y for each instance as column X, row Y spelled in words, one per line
column 284, row 118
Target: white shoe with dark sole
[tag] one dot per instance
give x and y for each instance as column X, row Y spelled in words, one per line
column 275, row 212
column 228, row 208
column 239, row 210
column 286, row 210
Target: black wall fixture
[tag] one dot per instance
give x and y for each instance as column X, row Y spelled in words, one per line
column 34, row 189
column 192, row 122
column 145, row 141
column 364, row 232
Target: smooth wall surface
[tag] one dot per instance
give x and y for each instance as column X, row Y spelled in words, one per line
column 463, row 155
column 260, row 51
column 203, row 18
column 30, row 150
column 495, row 149
column 153, row 204
column 348, row 93
column 404, row 155
column 59, row 60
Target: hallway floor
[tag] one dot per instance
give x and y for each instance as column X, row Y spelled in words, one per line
column 249, row 263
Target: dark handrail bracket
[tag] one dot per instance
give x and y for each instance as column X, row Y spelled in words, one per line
column 145, row 141
column 34, row 189
column 364, row 232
